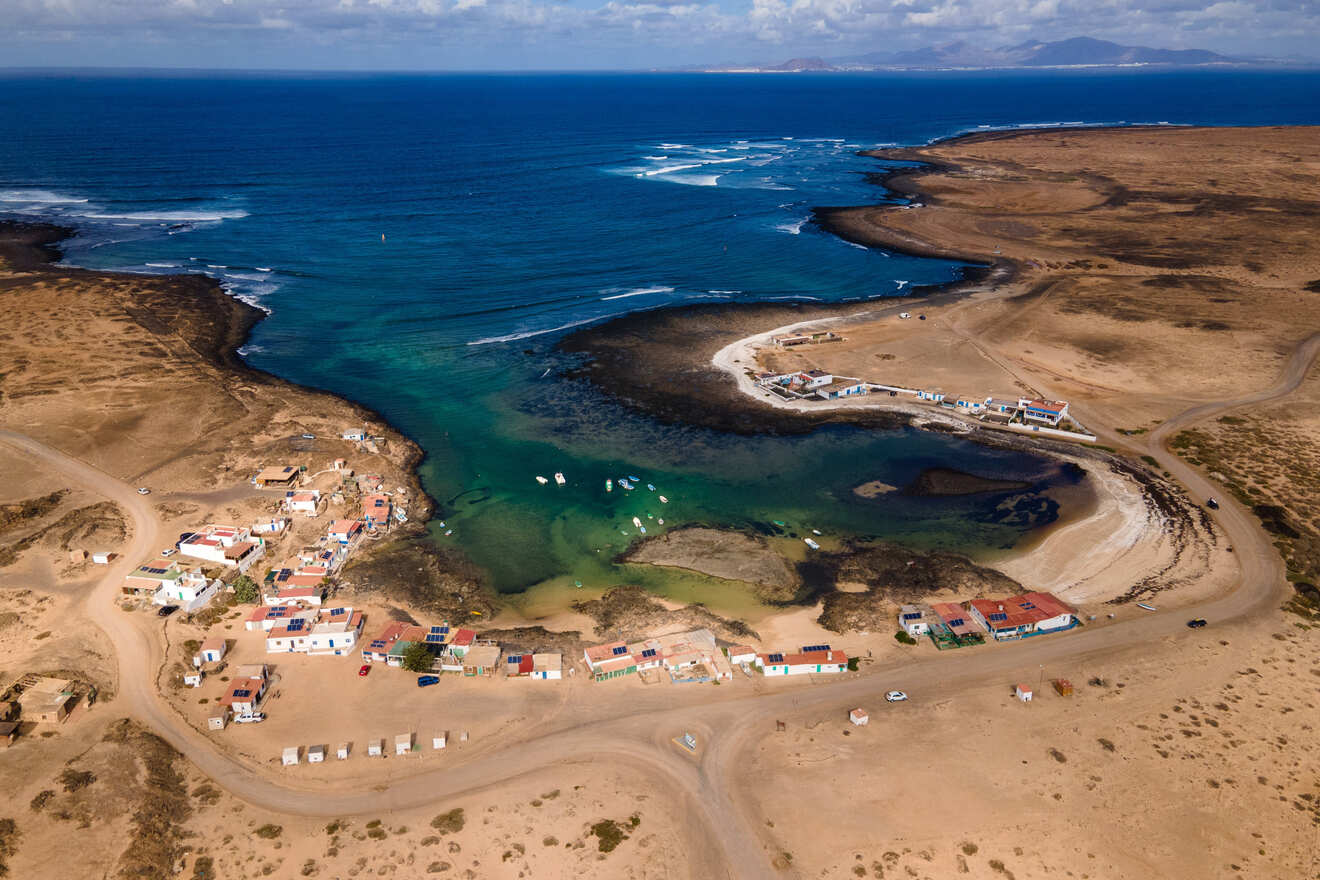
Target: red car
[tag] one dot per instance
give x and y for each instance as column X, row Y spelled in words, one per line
column 366, row 667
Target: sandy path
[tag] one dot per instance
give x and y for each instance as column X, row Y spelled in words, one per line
column 724, row 836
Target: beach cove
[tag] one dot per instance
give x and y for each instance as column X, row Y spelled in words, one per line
column 446, row 322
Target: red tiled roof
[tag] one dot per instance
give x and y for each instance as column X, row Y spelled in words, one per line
column 950, row 612
column 599, row 653
column 1021, row 610
column 464, row 637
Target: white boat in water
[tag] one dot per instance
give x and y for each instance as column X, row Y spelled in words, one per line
column 609, row 485
column 650, row 487
column 661, row 520
column 812, row 544
column 559, row 478
column 815, row 531
column 642, row 529
column 663, row 500
column 637, row 523
column 624, row 483
column 542, row 480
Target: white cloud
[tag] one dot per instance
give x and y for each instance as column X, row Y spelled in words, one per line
column 652, row 28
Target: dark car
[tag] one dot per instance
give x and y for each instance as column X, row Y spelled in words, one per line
column 1212, row 504
column 427, row 680
column 1196, row 623
column 921, row 317
column 167, row 610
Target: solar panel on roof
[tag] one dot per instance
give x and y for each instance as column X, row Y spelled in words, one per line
column 438, row 629
column 621, row 649
column 810, row 648
column 433, row 639
column 649, row 652
column 999, row 615
column 242, row 692
column 378, row 644
column 515, row 658
column 337, row 610
column 957, row 621
column 1028, row 605
column 776, row 658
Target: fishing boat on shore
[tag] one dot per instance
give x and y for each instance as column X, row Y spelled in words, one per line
column 1144, row 607
column 542, row 480
column 559, row 478
column 812, row 544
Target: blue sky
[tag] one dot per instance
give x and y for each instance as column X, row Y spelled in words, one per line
column 591, row 34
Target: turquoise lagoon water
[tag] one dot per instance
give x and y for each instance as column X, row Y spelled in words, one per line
column 421, row 242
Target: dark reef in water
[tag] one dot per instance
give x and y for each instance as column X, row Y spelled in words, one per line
column 938, row 482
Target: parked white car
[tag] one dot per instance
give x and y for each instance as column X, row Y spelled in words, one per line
column 169, row 551
column 250, row 718
column 143, row 490
column 895, row 696
column 905, row 315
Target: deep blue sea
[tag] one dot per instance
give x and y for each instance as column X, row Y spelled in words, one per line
column 412, row 236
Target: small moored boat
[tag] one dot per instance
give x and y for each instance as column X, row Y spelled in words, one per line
column 542, row 480
column 642, row 529
column 637, row 523
column 661, row 520
column 812, row 544
column 559, row 478
column 815, row 531
column 633, row 479
column 663, row 500
column 650, row 487
column 609, row 485
column 623, row 481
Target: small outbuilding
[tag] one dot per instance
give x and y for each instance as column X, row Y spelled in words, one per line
column 8, row 733
column 292, row 755
column 742, row 654
column 193, row 679
column 217, row 721
column 315, row 754
column 547, row 667
column 341, row 751
column 403, row 744
column 859, row 717
column 376, row 748
column 213, row 650
column 1023, row 693
column 102, row 558
column 438, row 741
column 1064, row 687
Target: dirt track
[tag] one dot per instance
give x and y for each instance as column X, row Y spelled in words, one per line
column 723, row 837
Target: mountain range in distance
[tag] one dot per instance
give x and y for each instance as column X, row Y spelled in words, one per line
column 961, row 55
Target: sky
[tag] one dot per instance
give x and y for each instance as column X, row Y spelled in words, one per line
column 606, row 34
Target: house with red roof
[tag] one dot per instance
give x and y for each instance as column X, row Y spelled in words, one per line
column 246, row 690
column 1029, row 614
column 815, row 659
column 1048, row 412
column 376, row 509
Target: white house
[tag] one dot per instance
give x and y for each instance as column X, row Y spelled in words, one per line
column 315, row 754
column 291, row 755
column 191, row 591
column 913, row 620
column 375, row 748
column 547, row 667
column 246, row 690
column 233, row 546
column 403, row 744
column 742, row 654
column 297, row 592
column 968, row 404
column 1048, row 412
column 356, row 435
column 344, row 531
column 842, row 386
column 306, row 501
column 803, row 663
column 213, row 650
column 267, row 617
column 932, row 396
column 813, row 379
column 337, row 633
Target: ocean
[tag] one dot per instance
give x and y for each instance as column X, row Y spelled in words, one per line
column 421, row 241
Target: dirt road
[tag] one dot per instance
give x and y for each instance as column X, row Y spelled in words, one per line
column 724, row 837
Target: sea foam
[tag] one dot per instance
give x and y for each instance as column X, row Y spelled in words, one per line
column 641, row 291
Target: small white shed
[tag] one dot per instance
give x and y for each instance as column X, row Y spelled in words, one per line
column 291, row 755
column 463, row 737
column 341, row 751
column 1023, row 693
column 438, row 741
column 403, row 744
column 315, row 754
column 217, row 721
column 192, row 679
column 375, row 748
column 102, row 558
column 859, row 717
column 742, row 654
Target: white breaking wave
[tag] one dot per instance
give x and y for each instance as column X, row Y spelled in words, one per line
column 38, row 197
column 725, row 292
column 638, row 292
column 695, row 179
column 513, row 337
column 901, row 284
column 794, row 228
column 173, row 216
column 670, row 169
column 163, row 265
column 655, row 158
